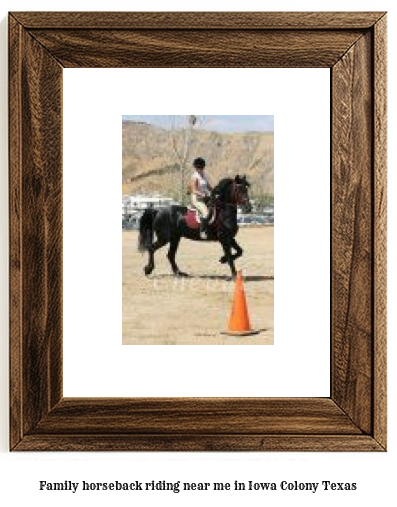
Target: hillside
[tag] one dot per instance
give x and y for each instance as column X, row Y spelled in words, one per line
column 150, row 164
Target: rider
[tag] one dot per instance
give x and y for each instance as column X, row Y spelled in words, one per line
column 201, row 190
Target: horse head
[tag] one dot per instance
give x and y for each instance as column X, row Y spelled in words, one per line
column 233, row 191
column 241, row 187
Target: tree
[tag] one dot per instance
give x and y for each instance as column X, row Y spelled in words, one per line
column 182, row 136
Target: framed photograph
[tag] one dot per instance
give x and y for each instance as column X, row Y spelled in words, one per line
column 353, row 47
column 198, row 203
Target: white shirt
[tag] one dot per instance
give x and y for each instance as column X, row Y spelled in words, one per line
column 202, row 182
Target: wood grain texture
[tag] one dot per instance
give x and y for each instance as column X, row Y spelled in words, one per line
column 196, row 48
column 355, row 416
column 206, row 443
column 352, row 233
column 380, row 229
column 36, row 187
column 202, row 20
column 301, row 416
column 15, row 230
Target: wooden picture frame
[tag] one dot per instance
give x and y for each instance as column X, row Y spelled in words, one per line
column 353, row 46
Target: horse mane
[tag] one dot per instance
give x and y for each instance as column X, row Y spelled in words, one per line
column 221, row 187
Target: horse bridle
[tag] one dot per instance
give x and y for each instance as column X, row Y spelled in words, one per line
column 236, row 196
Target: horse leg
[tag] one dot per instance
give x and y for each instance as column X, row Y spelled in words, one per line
column 156, row 245
column 229, row 257
column 223, row 259
column 235, row 246
column 171, row 256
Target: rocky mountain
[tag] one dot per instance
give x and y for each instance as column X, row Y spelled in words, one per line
column 150, row 163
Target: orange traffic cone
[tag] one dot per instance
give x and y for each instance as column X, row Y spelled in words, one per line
column 239, row 324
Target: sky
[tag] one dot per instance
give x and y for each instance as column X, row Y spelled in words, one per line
column 218, row 123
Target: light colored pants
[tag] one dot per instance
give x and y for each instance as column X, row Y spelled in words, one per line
column 200, row 205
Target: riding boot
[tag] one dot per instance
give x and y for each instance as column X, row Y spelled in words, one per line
column 204, row 227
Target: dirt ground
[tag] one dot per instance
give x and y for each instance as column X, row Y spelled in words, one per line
column 164, row 310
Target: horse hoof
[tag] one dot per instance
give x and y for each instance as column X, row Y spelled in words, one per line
column 147, row 270
column 181, row 274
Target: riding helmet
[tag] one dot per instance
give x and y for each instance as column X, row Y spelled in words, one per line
column 199, row 163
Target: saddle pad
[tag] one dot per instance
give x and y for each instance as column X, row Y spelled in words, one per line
column 192, row 219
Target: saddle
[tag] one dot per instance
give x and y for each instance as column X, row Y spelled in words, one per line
column 193, row 217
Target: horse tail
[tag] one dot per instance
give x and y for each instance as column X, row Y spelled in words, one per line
column 146, row 229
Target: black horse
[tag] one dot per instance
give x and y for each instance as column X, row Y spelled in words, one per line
column 172, row 223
